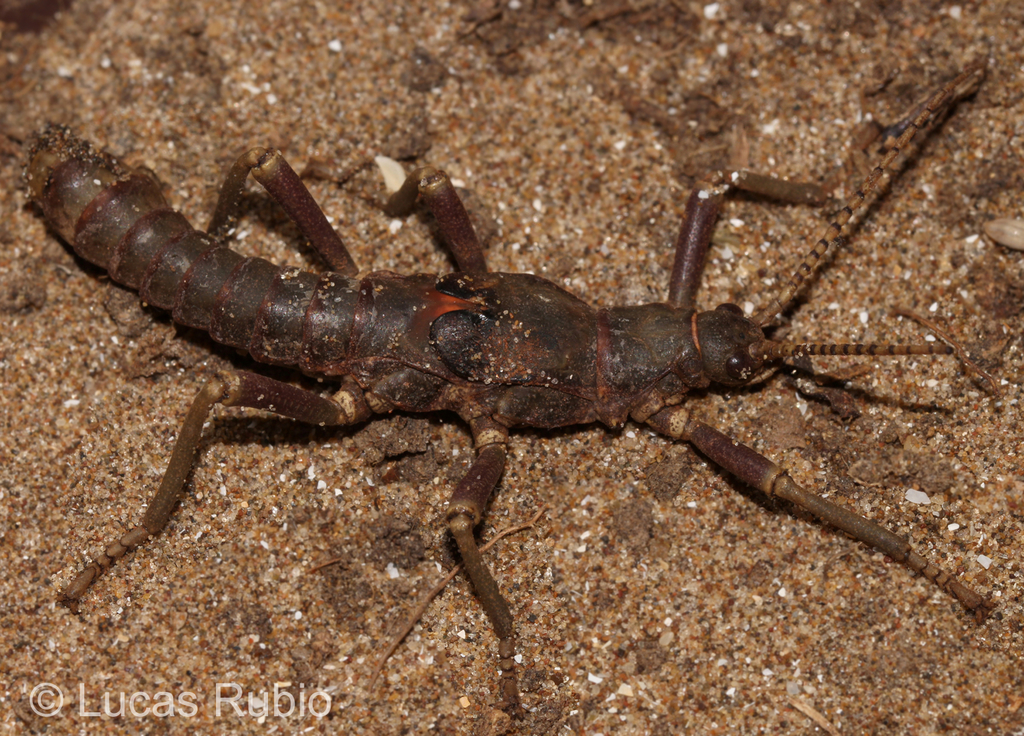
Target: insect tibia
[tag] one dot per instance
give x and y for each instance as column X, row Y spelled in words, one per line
column 774, row 350
column 963, row 84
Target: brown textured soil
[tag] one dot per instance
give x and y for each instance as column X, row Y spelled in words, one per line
column 643, row 606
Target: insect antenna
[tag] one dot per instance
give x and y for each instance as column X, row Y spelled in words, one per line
column 774, row 349
column 833, row 236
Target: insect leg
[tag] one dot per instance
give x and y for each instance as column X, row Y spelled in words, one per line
column 269, row 168
column 761, row 473
column 464, row 513
column 229, row 389
column 699, row 222
column 437, row 191
column 692, row 245
column 781, row 190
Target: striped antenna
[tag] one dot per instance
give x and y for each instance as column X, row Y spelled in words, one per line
column 773, row 350
column 833, row 236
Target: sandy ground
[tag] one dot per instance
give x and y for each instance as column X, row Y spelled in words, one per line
column 656, row 595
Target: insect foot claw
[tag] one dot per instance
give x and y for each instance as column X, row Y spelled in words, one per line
column 980, row 606
column 974, row 602
column 78, row 586
column 982, row 612
column 113, row 552
column 509, row 686
column 513, row 708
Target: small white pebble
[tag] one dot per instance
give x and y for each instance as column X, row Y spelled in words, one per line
column 334, row 45
column 917, row 497
column 619, row 145
column 722, row 50
column 394, row 226
column 863, row 318
column 594, row 678
column 711, row 10
column 736, row 222
column 984, row 561
column 955, row 12
column 625, row 690
column 392, row 171
column 392, row 570
column 767, row 672
column 953, row 527
column 782, row 592
column 1006, row 232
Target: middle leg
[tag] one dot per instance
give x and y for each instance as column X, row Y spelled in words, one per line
column 444, row 202
column 464, row 513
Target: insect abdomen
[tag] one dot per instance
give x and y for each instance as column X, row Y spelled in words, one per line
column 118, row 219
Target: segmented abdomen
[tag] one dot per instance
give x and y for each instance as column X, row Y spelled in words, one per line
column 118, row 219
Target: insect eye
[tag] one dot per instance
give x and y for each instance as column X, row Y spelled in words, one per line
column 740, row 365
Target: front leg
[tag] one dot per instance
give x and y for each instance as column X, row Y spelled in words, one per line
column 699, row 222
column 759, row 472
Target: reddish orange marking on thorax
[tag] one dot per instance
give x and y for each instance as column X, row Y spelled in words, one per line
column 435, row 304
